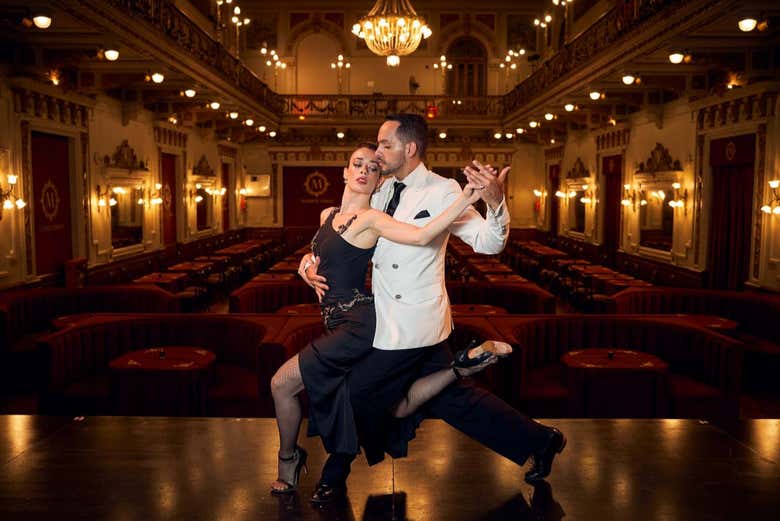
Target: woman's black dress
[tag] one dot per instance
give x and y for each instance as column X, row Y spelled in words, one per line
column 350, row 320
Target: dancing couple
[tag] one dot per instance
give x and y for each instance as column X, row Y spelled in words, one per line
column 384, row 363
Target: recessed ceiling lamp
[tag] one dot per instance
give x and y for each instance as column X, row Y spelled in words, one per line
column 628, row 79
column 111, row 54
column 340, row 135
column 747, row 24
column 549, row 116
column 272, row 133
column 214, row 105
column 42, row 20
column 533, row 124
column 158, row 77
column 676, row 57
column 233, row 115
column 190, row 93
column 594, row 95
column 568, row 107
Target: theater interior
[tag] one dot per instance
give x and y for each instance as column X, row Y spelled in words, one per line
column 163, row 166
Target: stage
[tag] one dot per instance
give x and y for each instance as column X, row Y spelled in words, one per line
column 133, row 468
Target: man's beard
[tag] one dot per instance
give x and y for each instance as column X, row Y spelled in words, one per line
column 390, row 170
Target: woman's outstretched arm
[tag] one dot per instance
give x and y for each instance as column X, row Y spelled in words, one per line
column 385, row 226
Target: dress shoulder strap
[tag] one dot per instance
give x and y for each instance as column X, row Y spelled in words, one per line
column 342, row 228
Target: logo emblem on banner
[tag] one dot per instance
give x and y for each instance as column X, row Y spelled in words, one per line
column 50, row 200
column 316, row 184
column 167, row 198
column 731, row 151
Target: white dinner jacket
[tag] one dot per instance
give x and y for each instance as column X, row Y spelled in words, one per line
column 412, row 306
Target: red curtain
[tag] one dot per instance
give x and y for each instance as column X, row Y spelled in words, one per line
column 168, row 194
column 612, row 168
column 51, row 202
column 554, row 174
column 732, row 161
column 308, row 191
column 227, row 200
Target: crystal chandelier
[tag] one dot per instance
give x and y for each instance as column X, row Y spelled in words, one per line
column 393, row 29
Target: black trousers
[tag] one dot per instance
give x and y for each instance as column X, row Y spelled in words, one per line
column 379, row 380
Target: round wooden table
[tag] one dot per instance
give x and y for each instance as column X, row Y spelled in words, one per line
column 615, row 383
column 162, row 381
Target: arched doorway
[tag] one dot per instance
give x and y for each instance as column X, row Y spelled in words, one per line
column 469, row 68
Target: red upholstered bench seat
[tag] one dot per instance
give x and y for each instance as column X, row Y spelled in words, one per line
column 76, row 376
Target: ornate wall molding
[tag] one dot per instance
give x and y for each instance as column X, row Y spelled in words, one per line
column 124, row 157
column 552, row 155
column 613, row 139
column 202, row 168
column 314, row 25
column 170, row 137
column 659, row 160
column 578, row 170
column 228, row 152
column 35, row 104
column 758, row 106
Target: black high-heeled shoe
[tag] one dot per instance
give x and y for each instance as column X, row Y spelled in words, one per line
column 301, row 455
column 462, row 362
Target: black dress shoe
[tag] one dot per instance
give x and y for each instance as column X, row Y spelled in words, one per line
column 326, row 493
column 543, row 458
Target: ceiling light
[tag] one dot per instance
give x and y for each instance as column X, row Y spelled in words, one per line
column 190, row 93
column 249, row 122
column 509, row 135
column 442, row 135
column 158, row 77
column 42, row 21
column 497, row 135
column 594, row 95
column 549, row 116
column 520, row 130
column 745, row 25
column 214, row 105
column 233, row 115
column 272, row 133
column 628, row 79
column 261, row 128
column 340, row 135
column 111, row 55
column 533, row 124
column 568, row 107
column 676, row 57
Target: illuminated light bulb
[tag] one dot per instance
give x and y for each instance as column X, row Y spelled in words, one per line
column 190, row 93
column 8, row 205
column 676, row 186
column 549, row 116
column 547, row 18
column 552, row 141
column 42, row 21
column 157, row 186
column 242, row 191
column 628, row 79
column 198, row 198
column 340, row 135
column 643, row 202
column 272, row 133
column 12, row 179
column 111, row 55
column 214, row 105
column 568, row 107
column 627, row 186
column 625, row 202
column 560, row 194
column 249, row 122
column 509, row 135
column 537, row 193
column 112, row 202
column 497, row 135
column 393, row 60
column 20, row 203
column 747, row 24
column 572, row 194
column 766, row 208
column 676, row 57
column 442, row 135
column 536, row 22
column 774, row 183
column 158, row 77
column 594, row 95
column 776, row 211
column 261, row 128
column 140, row 201
column 520, row 130
column 533, row 124
column 233, row 115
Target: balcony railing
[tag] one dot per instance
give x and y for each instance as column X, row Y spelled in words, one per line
column 378, row 106
column 178, row 28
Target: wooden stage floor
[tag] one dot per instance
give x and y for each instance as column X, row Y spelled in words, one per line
column 125, row 468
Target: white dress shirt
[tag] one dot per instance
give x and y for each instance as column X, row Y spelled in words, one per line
column 412, row 306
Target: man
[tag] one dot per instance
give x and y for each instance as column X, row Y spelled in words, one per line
column 413, row 312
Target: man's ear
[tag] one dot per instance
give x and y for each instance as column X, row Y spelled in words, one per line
column 411, row 149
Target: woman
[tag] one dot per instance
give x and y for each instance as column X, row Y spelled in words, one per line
column 344, row 245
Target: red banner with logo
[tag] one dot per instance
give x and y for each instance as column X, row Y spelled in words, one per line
column 51, row 202
column 736, row 150
column 168, row 195
column 309, row 190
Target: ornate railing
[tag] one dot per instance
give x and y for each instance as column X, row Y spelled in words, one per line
column 378, row 106
column 178, row 28
column 617, row 23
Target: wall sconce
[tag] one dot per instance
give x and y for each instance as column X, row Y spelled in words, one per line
column 104, row 197
column 633, row 197
column 156, row 196
column 587, row 197
column 540, row 193
column 773, row 206
column 680, row 198
column 10, row 200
